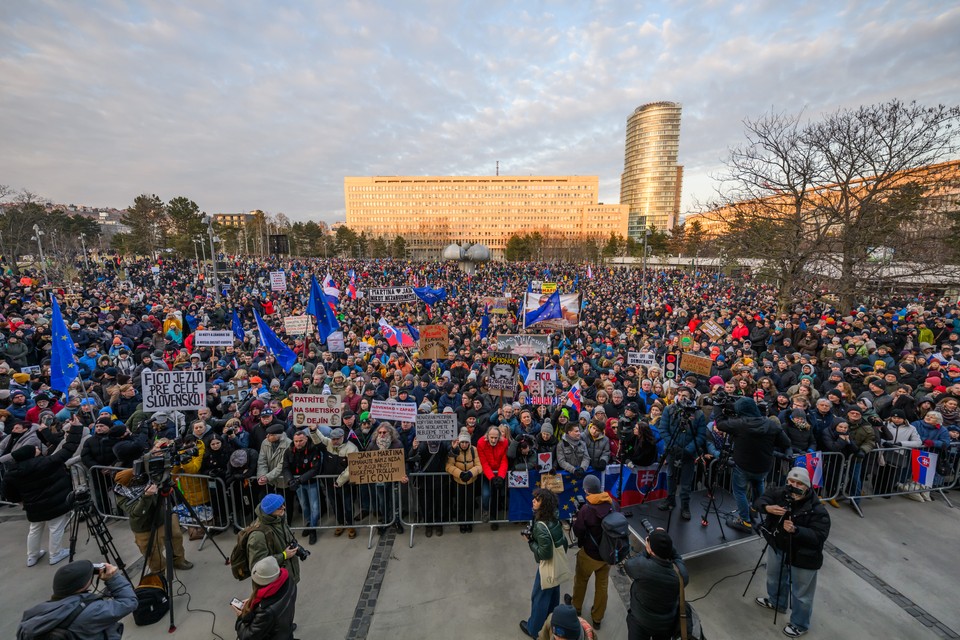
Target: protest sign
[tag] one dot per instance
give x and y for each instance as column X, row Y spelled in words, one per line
column 641, row 358
column 548, row 287
column 234, row 391
column 381, row 465
column 699, row 365
column 297, row 325
column 502, row 374
column 335, row 342
column 174, row 390
column 391, row 295
column 523, row 345
column 432, row 427
column 34, row 369
column 434, row 341
column 278, row 281
column 393, row 411
column 497, row 305
column 518, row 479
column 552, row 483
column 364, row 347
column 309, row 410
column 211, row 338
column 545, row 462
column 569, row 310
column 712, row 329
column 542, row 386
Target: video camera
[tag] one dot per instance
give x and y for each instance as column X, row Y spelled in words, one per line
column 156, row 467
column 723, row 401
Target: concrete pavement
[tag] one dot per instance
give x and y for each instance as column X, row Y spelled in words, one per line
column 877, row 571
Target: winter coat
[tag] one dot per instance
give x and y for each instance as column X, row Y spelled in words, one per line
column 904, row 436
column 691, row 441
column 272, row 617
column 271, row 539
column 519, row 462
column 754, row 437
column 801, row 440
column 598, row 449
column 99, row 619
column 586, row 526
column 270, row 462
column 939, row 435
column 655, row 592
column 545, row 537
column 832, row 441
column 572, row 454
column 493, row 459
column 335, row 460
column 459, row 461
column 97, row 451
column 812, row 522
column 863, row 435
column 12, row 442
column 43, row 483
column 195, row 490
column 303, row 464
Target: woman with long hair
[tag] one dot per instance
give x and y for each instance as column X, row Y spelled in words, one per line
column 545, row 534
column 269, row 611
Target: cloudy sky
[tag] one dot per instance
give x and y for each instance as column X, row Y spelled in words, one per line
column 241, row 105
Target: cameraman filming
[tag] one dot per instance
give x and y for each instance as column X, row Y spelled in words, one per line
column 796, row 528
column 754, row 440
column 587, row 527
column 685, row 431
column 655, row 593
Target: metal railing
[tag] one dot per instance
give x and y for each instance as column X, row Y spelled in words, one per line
column 437, row 500
column 832, row 480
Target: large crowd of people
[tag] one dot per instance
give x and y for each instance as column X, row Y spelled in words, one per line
column 844, row 380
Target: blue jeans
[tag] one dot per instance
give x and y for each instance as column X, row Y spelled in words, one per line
column 741, row 481
column 384, row 494
column 486, row 491
column 796, row 584
column 542, row 604
column 856, row 480
column 687, row 473
column 309, row 497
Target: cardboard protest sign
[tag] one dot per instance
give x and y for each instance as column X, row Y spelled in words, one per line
column 278, row 281
column 391, row 295
column 174, row 390
column 297, row 325
column 712, row 329
column 432, row 427
column 502, row 374
column 211, row 338
column 642, row 358
column 700, row 365
column 310, row 409
column 393, row 411
column 552, row 483
column 545, row 462
column 382, row 465
column 335, row 342
column 523, row 345
column 434, row 341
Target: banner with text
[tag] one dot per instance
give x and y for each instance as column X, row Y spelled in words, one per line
column 641, row 358
column 393, row 411
column 297, row 325
column 523, row 345
column 382, row 465
column 391, row 295
column 432, row 427
column 211, row 338
column 434, row 341
column 569, row 310
column 174, row 390
column 278, row 281
column 309, row 410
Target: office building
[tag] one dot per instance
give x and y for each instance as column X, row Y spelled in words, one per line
column 430, row 212
column 651, row 180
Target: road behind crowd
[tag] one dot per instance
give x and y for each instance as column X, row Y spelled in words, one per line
column 890, row 575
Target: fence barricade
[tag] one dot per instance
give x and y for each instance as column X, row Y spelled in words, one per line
column 892, row 471
column 832, row 480
column 437, row 500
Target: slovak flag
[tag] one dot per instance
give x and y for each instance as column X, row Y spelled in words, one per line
column 813, row 463
column 352, row 287
column 393, row 335
column 573, row 397
column 330, row 287
column 924, row 464
column 589, row 272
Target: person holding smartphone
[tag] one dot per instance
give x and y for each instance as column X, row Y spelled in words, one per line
column 75, row 608
column 269, row 611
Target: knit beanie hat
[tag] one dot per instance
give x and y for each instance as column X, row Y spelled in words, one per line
column 265, row 571
column 72, row 578
column 271, row 502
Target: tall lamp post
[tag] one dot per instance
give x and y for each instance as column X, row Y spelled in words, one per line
column 646, row 234
column 213, row 258
column 83, row 243
column 43, row 263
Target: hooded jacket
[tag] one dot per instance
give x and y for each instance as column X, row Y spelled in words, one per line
column 271, row 539
column 43, row 483
column 99, row 619
column 572, row 454
column 270, row 462
column 754, row 437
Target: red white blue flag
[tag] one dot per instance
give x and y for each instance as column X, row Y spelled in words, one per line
column 393, row 335
column 923, row 465
column 573, row 397
column 813, row 463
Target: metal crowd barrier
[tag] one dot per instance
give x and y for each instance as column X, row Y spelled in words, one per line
column 888, row 472
column 436, row 500
column 832, row 481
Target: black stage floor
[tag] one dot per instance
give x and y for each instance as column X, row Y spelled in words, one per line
column 689, row 537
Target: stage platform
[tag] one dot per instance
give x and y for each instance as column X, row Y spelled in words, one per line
column 689, row 537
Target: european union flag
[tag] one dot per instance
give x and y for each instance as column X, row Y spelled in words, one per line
column 238, row 331
column 549, row 310
column 430, row 296
column 319, row 307
column 414, row 333
column 485, row 323
column 519, row 505
column 63, row 366
column 284, row 354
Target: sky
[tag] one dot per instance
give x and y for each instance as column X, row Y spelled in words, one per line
column 245, row 105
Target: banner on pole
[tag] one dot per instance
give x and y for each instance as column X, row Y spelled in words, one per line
column 523, row 345
column 569, row 309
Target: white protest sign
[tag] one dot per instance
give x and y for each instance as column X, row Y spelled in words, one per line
column 364, row 347
column 518, row 479
column 174, row 390
column 211, row 338
column 34, row 369
column 545, row 462
column 335, row 342
column 278, row 281
column 297, row 325
column 641, row 358
column 310, row 409
column 542, row 386
column 432, row 427
column 394, row 411
column 391, row 295
column 154, row 270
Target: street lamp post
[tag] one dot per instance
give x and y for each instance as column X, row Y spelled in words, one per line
column 213, row 259
column 43, row 263
column 646, row 234
column 83, row 243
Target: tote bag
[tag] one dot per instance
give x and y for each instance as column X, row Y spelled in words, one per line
column 556, row 570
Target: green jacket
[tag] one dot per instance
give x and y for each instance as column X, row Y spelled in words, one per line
column 272, row 542
column 545, row 537
column 144, row 511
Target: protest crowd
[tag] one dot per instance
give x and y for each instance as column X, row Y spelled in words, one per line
column 325, row 362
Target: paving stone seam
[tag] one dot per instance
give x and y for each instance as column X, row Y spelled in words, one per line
column 367, row 603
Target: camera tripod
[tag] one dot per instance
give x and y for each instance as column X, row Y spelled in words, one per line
column 784, row 560
column 97, row 529
column 169, row 494
column 711, row 505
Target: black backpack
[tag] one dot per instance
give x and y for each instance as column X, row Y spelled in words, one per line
column 614, row 543
column 152, row 600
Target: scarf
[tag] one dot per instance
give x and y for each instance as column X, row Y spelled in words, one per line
column 268, row 590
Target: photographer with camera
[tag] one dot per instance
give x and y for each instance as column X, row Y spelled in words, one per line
column 75, row 610
column 547, row 541
column 755, row 438
column 796, row 528
column 655, row 593
column 270, row 536
column 588, row 529
column 685, row 430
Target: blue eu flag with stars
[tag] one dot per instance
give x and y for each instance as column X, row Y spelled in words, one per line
column 63, row 366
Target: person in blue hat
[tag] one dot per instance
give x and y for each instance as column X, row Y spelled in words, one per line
column 273, row 537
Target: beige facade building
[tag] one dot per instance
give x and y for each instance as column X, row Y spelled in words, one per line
column 232, row 219
column 651, row 180
column 430, row 212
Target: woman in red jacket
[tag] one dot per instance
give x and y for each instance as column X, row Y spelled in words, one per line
column 492, row 450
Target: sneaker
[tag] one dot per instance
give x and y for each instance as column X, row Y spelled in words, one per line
column 740, row 525
column 685, row 513
column 793, row 632
column 766, row 604
column 35, row 559
column 59, row 557
column 666, row 505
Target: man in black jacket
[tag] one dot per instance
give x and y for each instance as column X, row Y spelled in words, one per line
column 587, row 527
column 796, row 528
column 655, row 592
column 754, row 440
